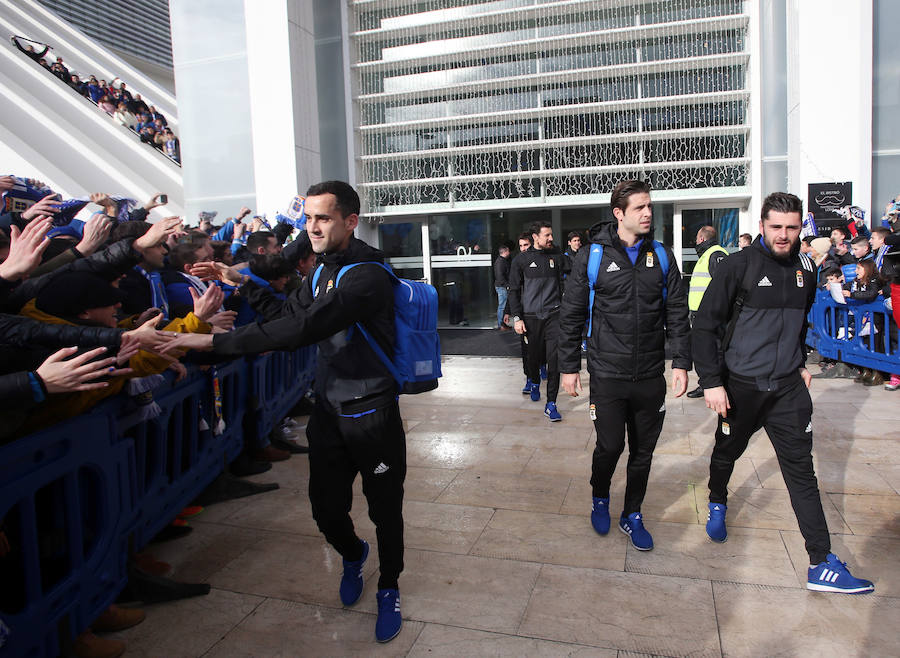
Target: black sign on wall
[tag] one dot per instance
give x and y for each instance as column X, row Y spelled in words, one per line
column 826, row 198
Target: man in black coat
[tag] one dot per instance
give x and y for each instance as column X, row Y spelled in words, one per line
column 749, row 343
column 501, row 284
column 356, row 426
column 535, row 292
column 637, row 305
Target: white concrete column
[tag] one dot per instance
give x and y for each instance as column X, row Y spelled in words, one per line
column 284, row 118
column 830, row 95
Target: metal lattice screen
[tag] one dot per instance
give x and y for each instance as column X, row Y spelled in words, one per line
column 461, row 100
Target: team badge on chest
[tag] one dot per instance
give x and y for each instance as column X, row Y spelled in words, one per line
column 329, row 286
column 552, row 264
column 649, row 259
column 799, row 278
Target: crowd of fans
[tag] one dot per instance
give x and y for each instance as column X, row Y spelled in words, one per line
column 857, row 263
column 86, row 314
column 114, row 98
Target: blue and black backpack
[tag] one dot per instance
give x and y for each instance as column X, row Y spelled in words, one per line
column 416, row 365
column 593, row 269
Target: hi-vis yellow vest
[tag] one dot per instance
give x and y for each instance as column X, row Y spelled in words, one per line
column 701, row 277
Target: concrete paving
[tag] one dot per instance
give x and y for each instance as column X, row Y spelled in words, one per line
column 501, row 559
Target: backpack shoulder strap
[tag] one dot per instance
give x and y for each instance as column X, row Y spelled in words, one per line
column 593, row 269
column 747, row 280
column 395, row 373
column 315, row 279
column 663, row 259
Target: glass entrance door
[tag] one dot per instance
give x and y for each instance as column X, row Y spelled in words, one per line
column 726, row 221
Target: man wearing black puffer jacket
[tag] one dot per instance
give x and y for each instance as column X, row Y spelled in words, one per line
column 749, row 343
column 637, row 304
column 356, row 425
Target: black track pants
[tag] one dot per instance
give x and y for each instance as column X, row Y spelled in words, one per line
column 639, row 408
column 374, row 445
column 786, row 415
column 524, row 346
column 543, row 342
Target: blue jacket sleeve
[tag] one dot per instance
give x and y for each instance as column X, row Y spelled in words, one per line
column 226, row 232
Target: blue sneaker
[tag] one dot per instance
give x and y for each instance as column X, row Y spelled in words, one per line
column 715, row 523
column 535, row 392
column 352, row 580
column 551, row 412
column 633, row 526
column 389, row 621
column 527, row 389
column 600, row 515
column 543, row 372
column 832, row 575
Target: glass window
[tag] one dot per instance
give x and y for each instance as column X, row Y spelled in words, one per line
column 466, row 296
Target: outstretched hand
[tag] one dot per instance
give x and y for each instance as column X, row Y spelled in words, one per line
column 210, row 271
column 207, row 304
column 49, row 205
column 62, row 375
column 26, row 248
column 158, row 233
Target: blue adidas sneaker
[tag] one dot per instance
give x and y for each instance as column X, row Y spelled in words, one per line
column 633, row 526
column 832, row 575
column 389, row 621
column 715, row 523
column 352, row 580
column 535, row 392
column 543, row 372
column 551, row 412
column 600, row 515
column 527, row 388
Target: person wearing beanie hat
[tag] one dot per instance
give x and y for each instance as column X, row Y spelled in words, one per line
column 86, row 299
column 820, row 247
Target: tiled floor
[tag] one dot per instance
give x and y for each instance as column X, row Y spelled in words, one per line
column 501, row 559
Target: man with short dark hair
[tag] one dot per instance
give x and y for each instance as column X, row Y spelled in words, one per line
column 637, row 304
column 501, row 283
column 749, row 349
column 574, row 244
column 356, row 428
column 745, row 240
column 534, row 298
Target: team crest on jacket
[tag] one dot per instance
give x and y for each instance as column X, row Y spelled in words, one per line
column 649, row 259
column 593, row 410
column 551, row 263
column 329, row 286
column 799, row 278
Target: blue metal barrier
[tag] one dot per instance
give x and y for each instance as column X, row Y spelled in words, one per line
column 75, row 497
column 836, row 332
column 279, row 381
column 64, row 516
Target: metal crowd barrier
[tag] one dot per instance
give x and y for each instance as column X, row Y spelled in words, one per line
column 77, row 497
column 863, row 335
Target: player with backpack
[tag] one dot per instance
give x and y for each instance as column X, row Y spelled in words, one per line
column 377, row 337
column 629, row 288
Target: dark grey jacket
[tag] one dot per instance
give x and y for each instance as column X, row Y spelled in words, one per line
column 534, row 283
column 769, row 339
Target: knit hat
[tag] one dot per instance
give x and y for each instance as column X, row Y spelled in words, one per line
column 821, row 247
column 74, row 292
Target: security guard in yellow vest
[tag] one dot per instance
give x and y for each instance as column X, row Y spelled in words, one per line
column 711, row 254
